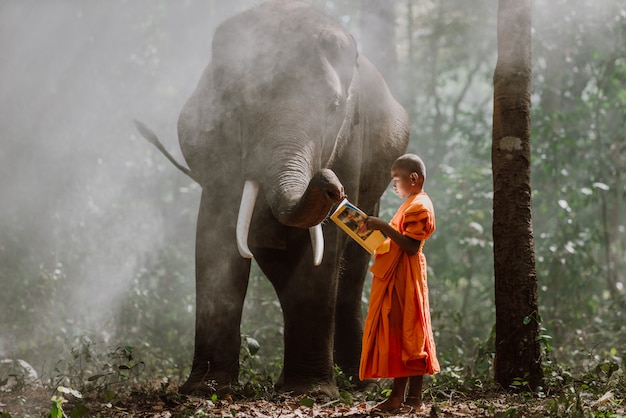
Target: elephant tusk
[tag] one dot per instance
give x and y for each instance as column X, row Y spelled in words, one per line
column 248, row 199
column 317, row 240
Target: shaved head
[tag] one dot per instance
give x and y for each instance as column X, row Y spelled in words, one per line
column 411, row 163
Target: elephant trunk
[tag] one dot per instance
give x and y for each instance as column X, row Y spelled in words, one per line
column 286, row 162
column 295, row 198
column 303, row 206
column 248, row 200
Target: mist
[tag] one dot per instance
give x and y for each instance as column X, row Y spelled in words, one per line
column 87, row 206
column 89, row 209
column 84, row 200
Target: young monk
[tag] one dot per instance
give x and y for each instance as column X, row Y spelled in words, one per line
column 398, row 340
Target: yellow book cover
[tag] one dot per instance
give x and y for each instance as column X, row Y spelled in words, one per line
column 352, row 220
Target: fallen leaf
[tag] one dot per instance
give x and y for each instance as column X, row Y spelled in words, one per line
column 604, row 398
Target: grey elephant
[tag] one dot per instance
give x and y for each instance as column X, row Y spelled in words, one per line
column 286, row 120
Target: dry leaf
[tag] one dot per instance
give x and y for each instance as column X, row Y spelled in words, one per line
column 604, row 398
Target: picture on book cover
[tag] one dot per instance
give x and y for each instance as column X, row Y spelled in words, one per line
column 355, row 221
column 352, row 220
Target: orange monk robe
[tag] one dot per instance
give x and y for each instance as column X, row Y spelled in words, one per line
column 397, row 338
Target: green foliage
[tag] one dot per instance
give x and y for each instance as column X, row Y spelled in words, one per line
column 306, row 401
column 262, row 336
column 92, row 368
column 256, row 381
column 447, row 54
column 578, row 178
column 156, row 313
column 56, row 409
column 344, row 382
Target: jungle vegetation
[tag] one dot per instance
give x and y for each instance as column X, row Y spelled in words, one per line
column 97, row 229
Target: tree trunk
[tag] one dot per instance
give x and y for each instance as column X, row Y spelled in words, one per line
column 518, row 356
column 379, row 38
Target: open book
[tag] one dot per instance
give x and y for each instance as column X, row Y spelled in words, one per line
column 352, row 220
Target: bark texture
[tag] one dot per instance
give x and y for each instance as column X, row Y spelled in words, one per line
column 518, row 354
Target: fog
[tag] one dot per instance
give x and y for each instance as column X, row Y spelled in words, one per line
column 87, row 204
column 78, row 187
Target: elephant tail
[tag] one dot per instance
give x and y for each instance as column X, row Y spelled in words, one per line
column 152, row 138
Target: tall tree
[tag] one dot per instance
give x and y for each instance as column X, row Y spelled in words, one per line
column 517, row 319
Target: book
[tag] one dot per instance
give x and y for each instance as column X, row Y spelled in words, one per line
column 352, row 220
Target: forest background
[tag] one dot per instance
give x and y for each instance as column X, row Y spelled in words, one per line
column 97, row 228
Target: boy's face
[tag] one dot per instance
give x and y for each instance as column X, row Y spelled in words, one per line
column 404, row 182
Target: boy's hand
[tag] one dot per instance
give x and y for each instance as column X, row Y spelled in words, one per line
column 409, row 245
column 374, row 223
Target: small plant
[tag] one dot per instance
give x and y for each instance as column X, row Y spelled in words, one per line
column 257, row 382
column 56, row 409
column 345, row 385
column 344, row 382
column 90, row 368
column 380, row 390
column 119, row 367
column 522, row 385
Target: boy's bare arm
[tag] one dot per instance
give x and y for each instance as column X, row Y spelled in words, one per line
column 409, row 245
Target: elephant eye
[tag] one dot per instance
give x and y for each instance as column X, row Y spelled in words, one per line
column 334, row 104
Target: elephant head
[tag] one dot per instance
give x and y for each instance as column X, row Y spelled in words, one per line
column 287, row 100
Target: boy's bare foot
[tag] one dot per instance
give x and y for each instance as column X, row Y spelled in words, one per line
column 388, row 405
column 415, row 403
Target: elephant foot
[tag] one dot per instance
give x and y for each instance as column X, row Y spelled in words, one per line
column 200, row 383
column 319, row 391
column 204, row 389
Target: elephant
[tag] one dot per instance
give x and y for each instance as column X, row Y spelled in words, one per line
column 286, row 121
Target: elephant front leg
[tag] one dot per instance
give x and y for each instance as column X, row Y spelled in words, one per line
column 221, row 284
column 307, row 295
column 308, row 362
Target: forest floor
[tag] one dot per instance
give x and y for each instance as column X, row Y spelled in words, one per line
column 141, row 402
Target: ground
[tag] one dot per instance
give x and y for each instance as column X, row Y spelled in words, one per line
column 36, row 402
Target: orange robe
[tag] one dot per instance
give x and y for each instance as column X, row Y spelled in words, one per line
column 397, row 338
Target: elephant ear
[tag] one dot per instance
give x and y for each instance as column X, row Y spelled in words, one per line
column 341, row 53
column 340, row 50
column 350, row 120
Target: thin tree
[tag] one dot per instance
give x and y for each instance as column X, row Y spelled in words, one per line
column 518, row 354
